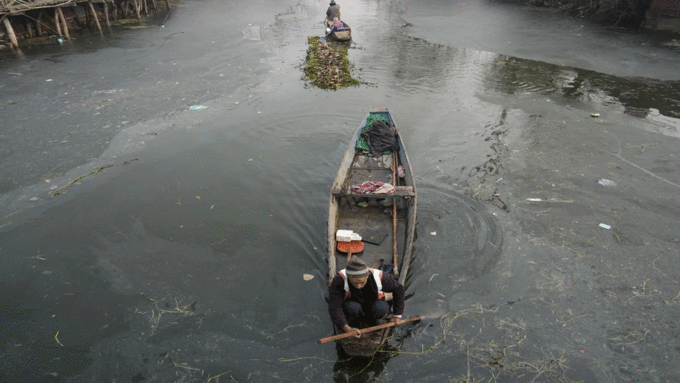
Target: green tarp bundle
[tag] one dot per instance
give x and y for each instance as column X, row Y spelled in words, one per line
column 361, row 142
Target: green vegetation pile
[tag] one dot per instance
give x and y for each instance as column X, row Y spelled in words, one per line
column 327, row 64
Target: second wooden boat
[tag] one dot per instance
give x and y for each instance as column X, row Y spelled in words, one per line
column 344, row 35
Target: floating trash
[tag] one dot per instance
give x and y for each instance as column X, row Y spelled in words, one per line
column 307, row 277
column 595, row 115
column 197, row 107
column 433, row 233
column 605, row 226
column 606, row 182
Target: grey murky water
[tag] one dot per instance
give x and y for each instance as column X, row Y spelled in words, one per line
column 179, row 256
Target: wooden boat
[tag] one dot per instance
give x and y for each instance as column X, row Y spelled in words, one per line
column 345, row 35
column 386, row 222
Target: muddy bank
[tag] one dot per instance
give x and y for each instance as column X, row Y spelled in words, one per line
column 620, row 13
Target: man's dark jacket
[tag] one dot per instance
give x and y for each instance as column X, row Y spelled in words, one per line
column 366, row 296
column 333, row 12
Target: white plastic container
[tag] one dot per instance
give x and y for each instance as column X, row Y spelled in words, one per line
column 343, row 235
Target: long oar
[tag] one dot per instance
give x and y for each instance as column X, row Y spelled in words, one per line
column 395, row 255
column 365, row 330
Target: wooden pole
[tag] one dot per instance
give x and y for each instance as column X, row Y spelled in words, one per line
column 137, row 5
column 10, row 32
column 38, row 23
column 106, row 14
column 146, row 7
column 63, row 21
column 29, row 28
column 94, row 15
column 86, row 9
column 114, row 9
column 395, row 252
column 57, row 23
column 167, row 4
column 365, row 330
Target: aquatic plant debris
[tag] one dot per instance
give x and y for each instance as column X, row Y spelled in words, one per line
column 57, row 339
column 328, row 66
column 95, row 171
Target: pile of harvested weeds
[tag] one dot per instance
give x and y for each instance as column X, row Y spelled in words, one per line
column 327, row 65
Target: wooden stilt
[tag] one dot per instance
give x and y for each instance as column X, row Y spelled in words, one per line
column 146, row 7
column 114, row 6
column 167, row 4
column 76, row 20
column 38, row 23
column 87, row 16
column 106, row 14
column 57, row 23
column 94, row 16
column 29, row 29
column 155, row 5
column 138, row 5
column 10, row 32
column 63, row 21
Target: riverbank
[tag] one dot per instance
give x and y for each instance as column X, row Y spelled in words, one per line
column 629, row 14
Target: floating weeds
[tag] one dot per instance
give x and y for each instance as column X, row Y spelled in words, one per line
column 312, row 357
column 57, row 339
column 327, row 65
column 217, row 377
column 95, row 171
column 155, row 318
column 285, row 329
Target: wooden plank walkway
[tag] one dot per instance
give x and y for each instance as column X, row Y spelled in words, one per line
column 16, row 6
column 35, row 18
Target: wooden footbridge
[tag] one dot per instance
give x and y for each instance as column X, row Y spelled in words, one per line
column 33, row 18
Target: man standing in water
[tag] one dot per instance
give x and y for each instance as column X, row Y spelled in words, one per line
column 333, row 11
column 357, row 294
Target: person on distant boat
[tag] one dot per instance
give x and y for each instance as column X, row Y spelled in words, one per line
column 337, row 26
column 357, row 294
column 333, row 11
